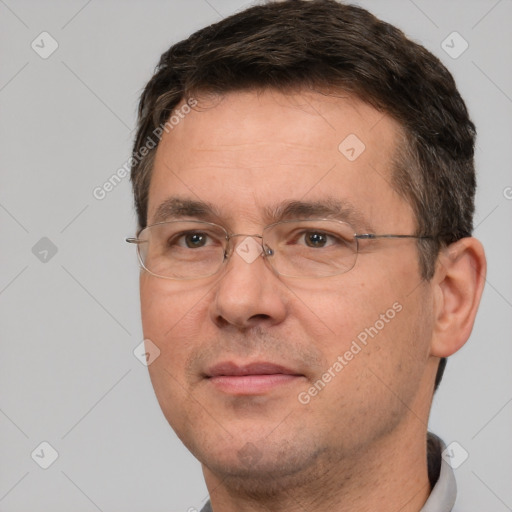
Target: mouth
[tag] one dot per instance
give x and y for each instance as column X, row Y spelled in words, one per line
column 250, row 379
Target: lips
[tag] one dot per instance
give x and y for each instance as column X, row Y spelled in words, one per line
column 250, row 379
column 232, row 369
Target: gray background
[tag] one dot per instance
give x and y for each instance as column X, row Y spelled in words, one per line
column 70, row 323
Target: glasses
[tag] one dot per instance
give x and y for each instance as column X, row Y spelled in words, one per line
column 293, row 248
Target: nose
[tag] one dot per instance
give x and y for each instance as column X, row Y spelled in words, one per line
column 248, row 292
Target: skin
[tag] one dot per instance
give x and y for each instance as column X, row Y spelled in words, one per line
column 359, row 444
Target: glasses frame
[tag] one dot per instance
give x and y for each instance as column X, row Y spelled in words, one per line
column 228, row 251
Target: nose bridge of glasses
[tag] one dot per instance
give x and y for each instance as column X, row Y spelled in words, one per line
column 242, row 237
column 248, row 248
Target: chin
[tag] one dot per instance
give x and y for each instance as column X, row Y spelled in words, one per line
column 264, row 469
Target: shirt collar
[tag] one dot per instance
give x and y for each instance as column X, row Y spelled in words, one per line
column 444, row 492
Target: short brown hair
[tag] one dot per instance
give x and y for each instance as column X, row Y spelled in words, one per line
column 324, row 44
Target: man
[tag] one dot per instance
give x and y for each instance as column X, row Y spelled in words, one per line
column 305, row 235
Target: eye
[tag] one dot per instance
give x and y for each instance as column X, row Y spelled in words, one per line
column 315, row 239
column 304, row 236
column 191, row 240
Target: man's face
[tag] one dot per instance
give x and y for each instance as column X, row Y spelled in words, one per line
column 245, row 154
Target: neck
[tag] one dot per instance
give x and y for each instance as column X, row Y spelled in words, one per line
column 390, row 475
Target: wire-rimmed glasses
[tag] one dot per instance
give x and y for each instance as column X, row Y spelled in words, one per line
column 193, row 249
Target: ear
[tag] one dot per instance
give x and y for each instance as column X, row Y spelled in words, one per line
column 458, row 284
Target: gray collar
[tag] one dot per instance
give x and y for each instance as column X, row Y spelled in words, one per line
column 442, row 497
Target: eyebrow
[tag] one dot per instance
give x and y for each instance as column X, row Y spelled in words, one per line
column 329, row 208
column 175, row 208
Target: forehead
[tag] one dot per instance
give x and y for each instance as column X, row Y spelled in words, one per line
column 247, row 150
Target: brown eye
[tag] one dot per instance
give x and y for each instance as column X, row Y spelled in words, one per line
column 194, row 240
column 315, row 239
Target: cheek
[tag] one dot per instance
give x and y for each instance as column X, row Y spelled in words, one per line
column 336, row 314
column 376, row 322
column 395, row 351
column 172, row 317
column 377, row 354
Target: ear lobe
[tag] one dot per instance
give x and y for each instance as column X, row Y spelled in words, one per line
column 459, row 282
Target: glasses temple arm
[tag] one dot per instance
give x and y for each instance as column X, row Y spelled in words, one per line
column 371, row 236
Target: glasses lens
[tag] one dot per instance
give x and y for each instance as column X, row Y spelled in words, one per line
column 311, row 248
column 182, row 250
